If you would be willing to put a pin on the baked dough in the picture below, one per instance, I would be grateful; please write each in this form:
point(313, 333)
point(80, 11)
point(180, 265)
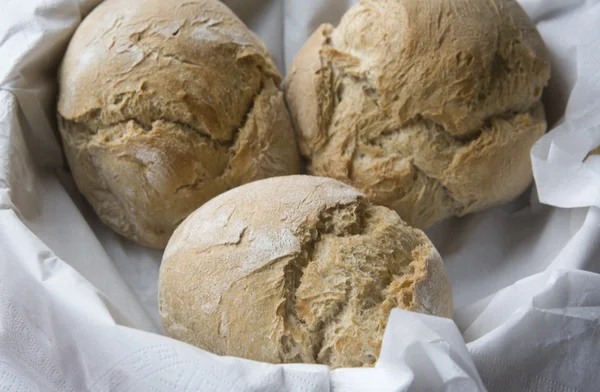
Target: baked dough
point(164, 105)
point(430, 107)
point(296, 269)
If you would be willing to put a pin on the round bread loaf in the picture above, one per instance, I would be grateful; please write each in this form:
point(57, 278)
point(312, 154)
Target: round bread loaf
point(430, 107)
point(164, 105)
point(296, 269)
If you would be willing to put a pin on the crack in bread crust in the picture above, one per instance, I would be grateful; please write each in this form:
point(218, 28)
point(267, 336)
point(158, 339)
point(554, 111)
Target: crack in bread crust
point(341, 78)
point(295, 270)
point(95, 131)
point(309, 337)
point(185, 89)
point(94, 115)
point(80, 134)
point(386, 81)
point(310, 274)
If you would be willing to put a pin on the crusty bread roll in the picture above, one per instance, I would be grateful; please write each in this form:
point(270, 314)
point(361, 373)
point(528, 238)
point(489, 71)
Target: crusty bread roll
point(296, 269)
point(430, 107)
point(164, 105)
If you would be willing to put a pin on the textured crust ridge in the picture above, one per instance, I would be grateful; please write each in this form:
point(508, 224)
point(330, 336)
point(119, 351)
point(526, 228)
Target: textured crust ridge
point(163, 106)
point(385, 83)
point(310, 279)
point(293, 350)
point(91, 122)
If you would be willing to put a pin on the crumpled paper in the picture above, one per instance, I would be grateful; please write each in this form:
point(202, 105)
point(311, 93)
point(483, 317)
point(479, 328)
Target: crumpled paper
point(78, 302)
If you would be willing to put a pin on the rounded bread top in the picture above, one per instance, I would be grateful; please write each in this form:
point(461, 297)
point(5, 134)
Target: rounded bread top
point(296, 269)
point(430, 107)
point(190, 54)
point(453, 62)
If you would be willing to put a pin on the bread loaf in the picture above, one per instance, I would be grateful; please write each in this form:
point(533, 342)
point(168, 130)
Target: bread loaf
point(430, 107)
point(164, 105)
point(296, 269)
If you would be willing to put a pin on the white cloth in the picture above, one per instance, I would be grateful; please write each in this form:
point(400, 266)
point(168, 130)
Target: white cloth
point(78, 303)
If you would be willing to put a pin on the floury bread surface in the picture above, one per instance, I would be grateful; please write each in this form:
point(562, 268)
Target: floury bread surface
point(296, 269)
point(430, 107)
point(164, 105)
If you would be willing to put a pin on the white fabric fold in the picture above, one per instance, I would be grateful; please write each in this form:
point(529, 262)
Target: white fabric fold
point(78, 302)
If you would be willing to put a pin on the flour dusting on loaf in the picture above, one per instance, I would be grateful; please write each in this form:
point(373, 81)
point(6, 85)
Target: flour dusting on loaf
point(312, 278)
point(430, 107)
point(164, 105)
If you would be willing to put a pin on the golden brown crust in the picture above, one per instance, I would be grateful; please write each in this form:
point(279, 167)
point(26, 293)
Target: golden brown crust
point(296, 269)
point(435, 104)
point(164, 105)
point(309, 92)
